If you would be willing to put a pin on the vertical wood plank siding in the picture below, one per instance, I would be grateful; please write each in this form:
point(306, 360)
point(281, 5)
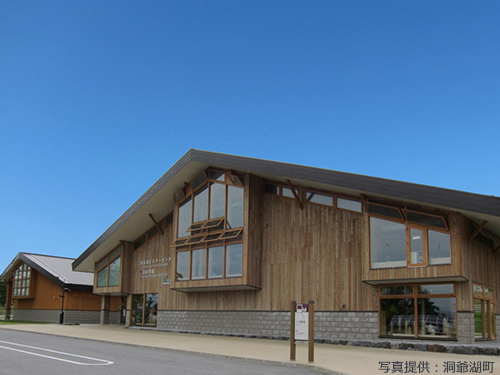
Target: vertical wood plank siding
point(318, 253)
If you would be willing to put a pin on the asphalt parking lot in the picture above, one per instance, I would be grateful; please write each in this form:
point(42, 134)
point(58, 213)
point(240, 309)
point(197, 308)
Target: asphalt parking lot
point(31, 353)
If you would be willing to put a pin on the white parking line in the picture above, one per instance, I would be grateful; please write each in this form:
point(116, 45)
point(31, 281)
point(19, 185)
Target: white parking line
point(100, 362)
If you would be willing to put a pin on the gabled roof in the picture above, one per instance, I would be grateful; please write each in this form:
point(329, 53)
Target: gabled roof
point(159, 202)
point(56, 269)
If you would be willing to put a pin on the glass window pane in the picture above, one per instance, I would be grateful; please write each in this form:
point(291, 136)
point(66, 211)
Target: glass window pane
point(397, 317)
point(195, 239)
point(439, 248)
point(152, 232)
point(182, 271)
point(234, 263)
point(436, 289)
point(199, 180)
point(396, 290)
point(150, 309)
point(273, 189)
point(287, 192)
point(313, 197)
point(217, 200)
point(436, 317)
point(478, 290)
point(200, 204)
point(234, 207)
point(416, 246)
point(137, 307)
point(215, 262)
point(198, 264)
point(217, 175)
point(348, 204)
point(488, 292)
point(478, 318)
point(385, 211)
point(184, 219)
point(102, 263)
point(115, 253)
point(102, 278)
point(387, 244)
point(114, 272)
point(139, 242)
point(420, 218)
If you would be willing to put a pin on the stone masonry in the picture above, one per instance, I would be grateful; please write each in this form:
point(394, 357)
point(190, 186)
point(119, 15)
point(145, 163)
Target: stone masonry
point(52, 316)
point(465, 327)
point(328, 325)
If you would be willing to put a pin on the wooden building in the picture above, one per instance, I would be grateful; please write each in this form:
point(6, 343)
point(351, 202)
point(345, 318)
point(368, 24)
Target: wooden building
point(46, 289)
point(223, 244)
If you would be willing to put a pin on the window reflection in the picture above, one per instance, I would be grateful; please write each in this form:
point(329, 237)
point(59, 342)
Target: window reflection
point(388, 243)
point(234, 260)
point(234, 207)
point(215, 262)
point(184, 218)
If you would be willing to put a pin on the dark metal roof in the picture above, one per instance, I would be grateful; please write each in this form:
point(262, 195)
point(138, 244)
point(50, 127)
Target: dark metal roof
point(158, 198)
point(56, 269)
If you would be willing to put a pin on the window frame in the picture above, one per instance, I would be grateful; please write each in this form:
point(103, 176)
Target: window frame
point(409, 225)
point(487, 312)
point(415, 296)
point(280, 187)
point(112, 256)
point(220, 243)
point(143, 320)
point(22, 288)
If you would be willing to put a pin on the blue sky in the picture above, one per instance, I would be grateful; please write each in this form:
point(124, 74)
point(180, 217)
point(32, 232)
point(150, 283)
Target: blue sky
point(99, 98)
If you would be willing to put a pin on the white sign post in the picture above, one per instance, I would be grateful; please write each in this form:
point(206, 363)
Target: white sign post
point(302, 322)
point(302, 327)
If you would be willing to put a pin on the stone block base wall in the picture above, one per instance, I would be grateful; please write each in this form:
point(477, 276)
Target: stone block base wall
point(346, 325)
point(465, 327)
point(328, 325)
point(52, 316)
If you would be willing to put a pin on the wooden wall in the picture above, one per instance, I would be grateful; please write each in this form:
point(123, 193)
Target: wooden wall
point(302, 255)
point(453, 269)
point(47, 297)
point(318, 253)
point(480, 265)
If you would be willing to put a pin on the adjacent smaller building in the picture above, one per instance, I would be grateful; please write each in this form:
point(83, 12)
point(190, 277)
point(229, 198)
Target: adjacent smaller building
point(46, 289)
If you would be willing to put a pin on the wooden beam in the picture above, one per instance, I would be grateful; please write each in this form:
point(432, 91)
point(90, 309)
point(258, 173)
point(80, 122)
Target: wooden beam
point(295, 194)
point(363, 198)
point(496, 250)
point(156, 224)
point(478, 230)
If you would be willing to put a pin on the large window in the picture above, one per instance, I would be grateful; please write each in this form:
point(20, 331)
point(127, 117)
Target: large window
point(405, 238)
point(22, 279)
point(484, 313)
point(209, 227)
point(108, 269)
point(215, 267)
point(144, 309)
point(420, 311)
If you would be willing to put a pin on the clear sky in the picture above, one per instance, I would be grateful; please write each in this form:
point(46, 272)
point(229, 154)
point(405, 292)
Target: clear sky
point(99, 98)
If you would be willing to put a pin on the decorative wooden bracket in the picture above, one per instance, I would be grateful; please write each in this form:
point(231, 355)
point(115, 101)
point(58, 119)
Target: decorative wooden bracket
point(295, 194)
point(156, 224)
point(478, 230)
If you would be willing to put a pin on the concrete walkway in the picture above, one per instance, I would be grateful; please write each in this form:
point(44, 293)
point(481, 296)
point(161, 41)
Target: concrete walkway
point(335, 359)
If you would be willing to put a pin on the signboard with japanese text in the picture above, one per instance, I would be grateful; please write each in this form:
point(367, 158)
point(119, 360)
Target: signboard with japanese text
point(302, 322)
point(157, 267)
